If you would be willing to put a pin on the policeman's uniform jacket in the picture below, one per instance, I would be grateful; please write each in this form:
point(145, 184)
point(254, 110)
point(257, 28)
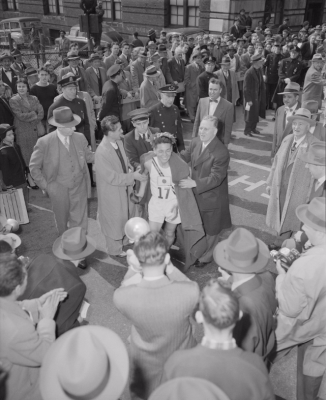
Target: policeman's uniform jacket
point(271, 67)
point(168, 119)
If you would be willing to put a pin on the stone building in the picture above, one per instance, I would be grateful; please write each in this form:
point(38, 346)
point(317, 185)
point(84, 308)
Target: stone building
point(128, 16)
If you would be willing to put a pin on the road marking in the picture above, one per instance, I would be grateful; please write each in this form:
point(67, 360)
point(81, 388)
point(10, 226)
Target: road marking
point(265, 195)
point(244, 179)
point(249, 164)
point(40, 208)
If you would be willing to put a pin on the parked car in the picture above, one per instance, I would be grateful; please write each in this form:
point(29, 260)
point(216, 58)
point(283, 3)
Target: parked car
point(188, 32)
point(19, 29)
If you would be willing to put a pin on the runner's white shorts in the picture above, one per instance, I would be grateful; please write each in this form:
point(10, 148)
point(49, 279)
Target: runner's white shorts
point(160, 210)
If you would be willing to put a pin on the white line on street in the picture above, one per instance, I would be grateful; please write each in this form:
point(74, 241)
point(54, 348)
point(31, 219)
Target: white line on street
point(40, 208)
point(265, 195)
point(249, 164)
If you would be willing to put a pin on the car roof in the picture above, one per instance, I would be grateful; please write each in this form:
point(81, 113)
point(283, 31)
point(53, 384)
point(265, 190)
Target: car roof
point(20, 19)
point(184, 31)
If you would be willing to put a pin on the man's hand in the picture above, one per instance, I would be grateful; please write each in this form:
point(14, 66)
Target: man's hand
point(287, 80)
point(61, 293)
point(187, 183)
point(140, 177)
point(49, 308)
point(129, 95)
point(268, 190)
point(250, 103)
point(279, 268)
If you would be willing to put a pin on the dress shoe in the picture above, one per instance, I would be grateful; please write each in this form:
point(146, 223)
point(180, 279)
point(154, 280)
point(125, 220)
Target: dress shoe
point(248, 134)
point(200, 265)
point(83, 264)
point(273, 247)
point(256, 132)
point(93, 184)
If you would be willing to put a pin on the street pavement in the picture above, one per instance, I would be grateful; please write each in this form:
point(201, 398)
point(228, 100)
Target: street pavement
point(249, 169)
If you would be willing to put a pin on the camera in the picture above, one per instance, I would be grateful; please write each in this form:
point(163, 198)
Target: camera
point(286, 256)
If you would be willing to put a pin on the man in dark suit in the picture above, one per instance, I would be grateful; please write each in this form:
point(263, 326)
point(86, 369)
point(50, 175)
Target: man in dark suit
point(177, 69)
point(165, 65)
point(204, 77)
point(308, 49)
point(111, 101)
point(80, 73)
point(7, 73)
point(215, 105)
point(271, 73)
point(246, 257)
point(18, 65)
point(96, 74)
point(235, 30)
point(254, 95)
point(6, 114)
point(209, 160)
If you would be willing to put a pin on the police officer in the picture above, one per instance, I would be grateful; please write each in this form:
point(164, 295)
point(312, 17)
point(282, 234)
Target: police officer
point(289, 71)
point(166, 115)
point(271, 74)
point(69, 85)
point(204, 77)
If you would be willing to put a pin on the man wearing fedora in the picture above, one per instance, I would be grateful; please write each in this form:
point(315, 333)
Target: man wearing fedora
point(78, 72)
point(315, 160)
point(254, 96)
point(111, 99)
point(59, 166)
point(228, 77)
point(282, 126)
point(166, 115)
point(148, 93)
point(314, 83)
point(64, 44)
point(96, 75)
point(218, 359)
point(49, 271)
point(137, 69)
point(18, 65)
point(177, 69)
point(151, 36)
point(302, 302)
point(7, 73)
point(289, 182)
point(245, 258)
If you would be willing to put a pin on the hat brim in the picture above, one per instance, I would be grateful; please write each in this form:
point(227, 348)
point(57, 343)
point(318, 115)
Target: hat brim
point(261, 262)
point(293, 117)
point(7, 56)
point(299, 92)
point(307, 158)
point(73, 58)
point(151, 76)
point(301, 213)
point(71, 124)
point(50, 386)
point(15, 239)
point(58, 252)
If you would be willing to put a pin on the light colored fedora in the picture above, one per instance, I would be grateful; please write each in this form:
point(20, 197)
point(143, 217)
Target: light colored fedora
point(151, 72)
point(64, 118)
point(12, 239)
point(291, 87)
point(303, 115)
point(89, 362)
point(316, 154)
point(241, 252)
point(313, 214)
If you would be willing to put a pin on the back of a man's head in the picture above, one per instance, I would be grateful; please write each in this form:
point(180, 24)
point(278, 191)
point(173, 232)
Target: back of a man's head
point(12, 274)
point(151, 249)
point(219, 306)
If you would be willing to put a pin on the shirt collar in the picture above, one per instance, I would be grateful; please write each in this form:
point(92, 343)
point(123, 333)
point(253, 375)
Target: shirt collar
point(114, 145)
point(297, 142)
point(291, 109)
point(153, 278)
point(206, 144)
point(212, 344)
point(320, 181)
point(239, 283)
point(62, 137)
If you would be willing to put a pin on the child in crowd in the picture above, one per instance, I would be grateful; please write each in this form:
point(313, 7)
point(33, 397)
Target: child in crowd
point(159, 310)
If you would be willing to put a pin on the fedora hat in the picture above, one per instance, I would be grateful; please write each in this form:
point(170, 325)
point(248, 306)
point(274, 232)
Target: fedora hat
point(30, 71)
point(3, 56)
point(241, 252)
point(64, 118)
point(139, 113)
point(291, 87)
point(317, 57)
point(312, 106)
point(16, 53)
point(12, 239)
point(151, 72)
point(225, 61)
point(313, 214)
point(316, 154)
point(71, 56)
point(303, 115)
point(94, 57)
point(188, 388)
point(255, 57)
point(89, 362)
point(73, 244)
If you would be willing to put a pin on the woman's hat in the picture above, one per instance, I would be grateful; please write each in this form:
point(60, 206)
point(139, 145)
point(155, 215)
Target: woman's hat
point(316, 154)
point(151, 72)
point(64, 118)
point(188, 388)
point(313, 214)
point(89, 362)
point(303, 115)
point(4, 128)
point(12, 239)
point(73, 244)
point(291, 87)
point(242, 252)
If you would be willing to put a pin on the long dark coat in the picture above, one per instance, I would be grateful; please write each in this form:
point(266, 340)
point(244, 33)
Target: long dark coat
point(209, 170)
point(254, 90)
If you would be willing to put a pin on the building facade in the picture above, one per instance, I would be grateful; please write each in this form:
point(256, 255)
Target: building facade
point(128, 16)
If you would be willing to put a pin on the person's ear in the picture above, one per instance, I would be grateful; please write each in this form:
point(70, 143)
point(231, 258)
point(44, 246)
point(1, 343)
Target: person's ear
point(199, 317)
point(167, 259)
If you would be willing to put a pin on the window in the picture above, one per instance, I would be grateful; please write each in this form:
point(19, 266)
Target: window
point(117, 9)
point(112, 9)
point(107, 9)
point(176, 12)
point(193, 12)
point(55, 7)
point(12, 5)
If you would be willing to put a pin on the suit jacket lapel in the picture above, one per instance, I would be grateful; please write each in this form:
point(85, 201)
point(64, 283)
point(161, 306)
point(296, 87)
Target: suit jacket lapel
point(204, 155)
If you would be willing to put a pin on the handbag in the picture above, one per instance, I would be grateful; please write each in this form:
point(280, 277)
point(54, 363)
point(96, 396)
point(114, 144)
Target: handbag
point(40, 129)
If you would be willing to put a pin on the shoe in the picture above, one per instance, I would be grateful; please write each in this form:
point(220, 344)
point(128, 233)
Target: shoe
point(199, 264)
point(83, 264)
point(248, 134)
point(273, 119)
point(93, 184)
point(122, 254)
point(34, 187)
point(273, 247)
point(256, 131)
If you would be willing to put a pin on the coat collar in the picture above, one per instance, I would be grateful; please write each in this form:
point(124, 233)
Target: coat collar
point(248, 286)
point(202, 157)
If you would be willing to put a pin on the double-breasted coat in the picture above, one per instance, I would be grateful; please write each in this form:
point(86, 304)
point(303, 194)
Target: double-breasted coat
point(254, 91)
point(27, 115)
point(209, 170)
point(83, 83)
point(298, 190)
point(114, 187)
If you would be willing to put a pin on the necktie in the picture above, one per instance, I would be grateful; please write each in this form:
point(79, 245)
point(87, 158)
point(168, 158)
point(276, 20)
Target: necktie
point(66, 143)
point(212, 101)
point(293, 147)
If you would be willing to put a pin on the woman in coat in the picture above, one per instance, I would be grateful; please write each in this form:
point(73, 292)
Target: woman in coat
point(28, 113)
point(6, 114)
point(192, 71)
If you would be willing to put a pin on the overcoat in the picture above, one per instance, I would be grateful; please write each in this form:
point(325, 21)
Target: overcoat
point(148, 94)
point(137, 70)
point(313, 86)
point(6, 80)
point(254, 90)
point(113, 190)
point(209, 170)
point(177, 70)
point(299, 187)
point(192, 72)
point(234, 83)
point(27, 116)
point(93, 79)
point(6, 114)
point(111, 101)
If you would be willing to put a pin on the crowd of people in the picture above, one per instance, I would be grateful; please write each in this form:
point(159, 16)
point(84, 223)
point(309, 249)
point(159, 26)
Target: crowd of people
point(113, 122)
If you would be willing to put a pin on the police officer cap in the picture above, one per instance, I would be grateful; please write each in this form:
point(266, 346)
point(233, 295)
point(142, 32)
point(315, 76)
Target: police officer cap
point(210, 59)
point(172, 88)
point(69, 79)
point(294, 48)
point(139, 114)
point(114, 70)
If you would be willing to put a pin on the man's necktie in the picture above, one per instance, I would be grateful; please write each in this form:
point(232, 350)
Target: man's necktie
point(66, 143)
point(212, 101)
point(293, 147)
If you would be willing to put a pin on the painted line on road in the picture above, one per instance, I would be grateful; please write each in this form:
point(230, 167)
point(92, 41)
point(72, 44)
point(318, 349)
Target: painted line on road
point(265, 195)
point(249, 164)
point(40, 208)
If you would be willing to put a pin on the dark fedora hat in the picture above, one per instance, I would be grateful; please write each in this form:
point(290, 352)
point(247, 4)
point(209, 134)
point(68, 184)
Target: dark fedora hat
point(64, 118)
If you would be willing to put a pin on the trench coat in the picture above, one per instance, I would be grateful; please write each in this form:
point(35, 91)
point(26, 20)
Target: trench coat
point(251, 84)
point(113, 190)
point(298, 191)
point(27, 116)
point(148, 94)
